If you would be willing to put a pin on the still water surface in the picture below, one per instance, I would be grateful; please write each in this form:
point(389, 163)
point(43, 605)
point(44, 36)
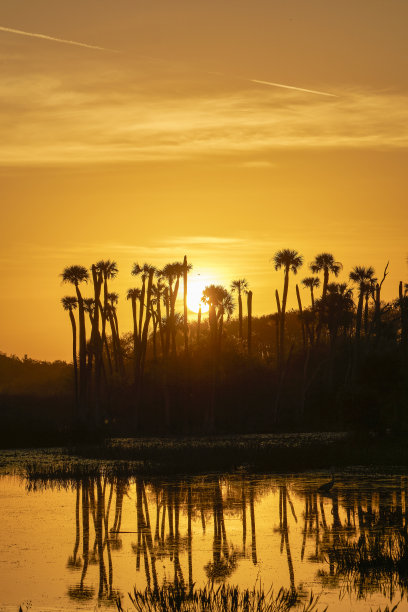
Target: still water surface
point(78, 545)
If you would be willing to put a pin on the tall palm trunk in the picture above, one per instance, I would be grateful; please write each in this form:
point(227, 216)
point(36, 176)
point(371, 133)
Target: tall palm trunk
point(249, 305)
point(282, 315)
point(146, 323)
point(302, 322)
point(185, 272)
point(198, 324)
point(104, 312)
point(278, 325)
point(366, 297)
point(135, 337)
point(96, 341)
point(82, 351)
point(141, 309)
point(173, 316)
point(325, 282)
point(240, 313)
point(359, 313)
point(74, 357)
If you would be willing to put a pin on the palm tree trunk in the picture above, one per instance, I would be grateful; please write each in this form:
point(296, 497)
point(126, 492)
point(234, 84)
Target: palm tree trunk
point(82, 351)
point(240, 313)
point(146, 323)
point(185, 271)
point(74, 360)
point(359, 314)
point(141, 309)
point(198, 324)
point(278, 324)
point(249, 306)
point(283, 311)
point(325, 282)
point(302, 322)
point(366, 313)
point(173, 316)
point(135, 337)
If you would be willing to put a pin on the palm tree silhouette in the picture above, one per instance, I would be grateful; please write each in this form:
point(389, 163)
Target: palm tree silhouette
point(288, 260)
point(76, 275)
point(70, 304)
point(186, 269)
point(109, 270)
point(324, 262)
point(240, 286)
point(134, 296)
point(311, 282)
point(360, 275)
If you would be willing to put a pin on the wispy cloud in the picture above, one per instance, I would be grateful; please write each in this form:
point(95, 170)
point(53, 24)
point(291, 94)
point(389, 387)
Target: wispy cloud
point(53, 39)
point(48, 122)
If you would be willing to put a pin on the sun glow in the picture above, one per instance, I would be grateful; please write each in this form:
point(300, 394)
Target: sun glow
point(195, 288)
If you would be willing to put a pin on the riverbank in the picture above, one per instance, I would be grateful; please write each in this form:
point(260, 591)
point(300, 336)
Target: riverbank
point(290, 452)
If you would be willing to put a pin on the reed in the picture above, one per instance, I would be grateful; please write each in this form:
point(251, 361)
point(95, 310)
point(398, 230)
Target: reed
point(224, 598)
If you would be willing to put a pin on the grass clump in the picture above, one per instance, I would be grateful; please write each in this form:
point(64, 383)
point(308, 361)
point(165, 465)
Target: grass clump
point(225, 598)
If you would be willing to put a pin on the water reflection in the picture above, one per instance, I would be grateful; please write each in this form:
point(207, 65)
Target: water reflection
point(353, 539)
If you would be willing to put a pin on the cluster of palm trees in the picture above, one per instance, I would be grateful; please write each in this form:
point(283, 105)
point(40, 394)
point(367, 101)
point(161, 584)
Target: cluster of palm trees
point(99, 355)
point(335, 307)
point(155, 320)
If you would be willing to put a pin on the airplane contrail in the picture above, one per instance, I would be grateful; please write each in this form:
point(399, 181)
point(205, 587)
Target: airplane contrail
point(60, 40)
point(271, 84)
point(312, 91)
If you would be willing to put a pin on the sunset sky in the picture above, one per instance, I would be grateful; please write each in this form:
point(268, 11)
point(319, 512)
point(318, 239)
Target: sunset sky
point(163, 133)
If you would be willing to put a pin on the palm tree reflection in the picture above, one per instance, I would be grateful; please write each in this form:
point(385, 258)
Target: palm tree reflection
point(356, 534)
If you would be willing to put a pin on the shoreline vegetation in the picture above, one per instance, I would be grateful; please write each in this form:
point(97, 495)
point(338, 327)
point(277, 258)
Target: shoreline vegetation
point(337, 363)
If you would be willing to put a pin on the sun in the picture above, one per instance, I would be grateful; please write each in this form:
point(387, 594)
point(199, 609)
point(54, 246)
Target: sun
point(195, 288)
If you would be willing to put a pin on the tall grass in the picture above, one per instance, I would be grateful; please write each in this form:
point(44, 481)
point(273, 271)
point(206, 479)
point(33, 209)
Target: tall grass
point(225, 598)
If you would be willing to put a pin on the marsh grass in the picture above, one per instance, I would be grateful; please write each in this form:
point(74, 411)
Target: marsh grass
point(225, 598)
point(130, 457)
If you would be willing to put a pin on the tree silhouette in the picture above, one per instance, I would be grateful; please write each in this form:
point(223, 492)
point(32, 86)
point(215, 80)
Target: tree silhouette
point(360, 275)
point(324, 262)
point(289, 260)
point(76, 275)
point(70, 304)
point(311, 282)
point(239, 286)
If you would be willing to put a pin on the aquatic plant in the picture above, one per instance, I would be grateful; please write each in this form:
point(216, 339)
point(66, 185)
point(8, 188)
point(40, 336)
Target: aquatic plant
point(225, 598)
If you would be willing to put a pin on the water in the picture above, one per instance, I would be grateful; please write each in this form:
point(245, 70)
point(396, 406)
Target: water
point(78, 545)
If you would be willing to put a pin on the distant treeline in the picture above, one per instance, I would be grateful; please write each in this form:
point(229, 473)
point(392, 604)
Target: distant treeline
point(338, 361)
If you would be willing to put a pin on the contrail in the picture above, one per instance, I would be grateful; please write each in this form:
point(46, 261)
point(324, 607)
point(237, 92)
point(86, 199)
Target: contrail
point(59, 40)
point(312, 91)
point(270, 84)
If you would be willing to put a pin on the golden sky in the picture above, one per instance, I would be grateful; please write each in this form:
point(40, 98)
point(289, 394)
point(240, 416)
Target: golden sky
point(162, 134)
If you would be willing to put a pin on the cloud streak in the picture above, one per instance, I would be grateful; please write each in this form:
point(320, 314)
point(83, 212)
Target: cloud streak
point(311, 91)
point(45, 120)
point(53, 39)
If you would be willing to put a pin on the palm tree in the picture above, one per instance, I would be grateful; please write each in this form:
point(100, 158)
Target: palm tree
point(70, 304)
point(186, 269)
point(134, 295)
point(289, 260)
point(158, 295)
point(361, 275)
point(226, 307)
point(336, 309)
point(149, 272)
point(76, 275)
point(324, 262)
point(249, 307)
point(311, 282)
point(240, 286)
point(172, 273)
point(112, 300)
point(109, 270)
